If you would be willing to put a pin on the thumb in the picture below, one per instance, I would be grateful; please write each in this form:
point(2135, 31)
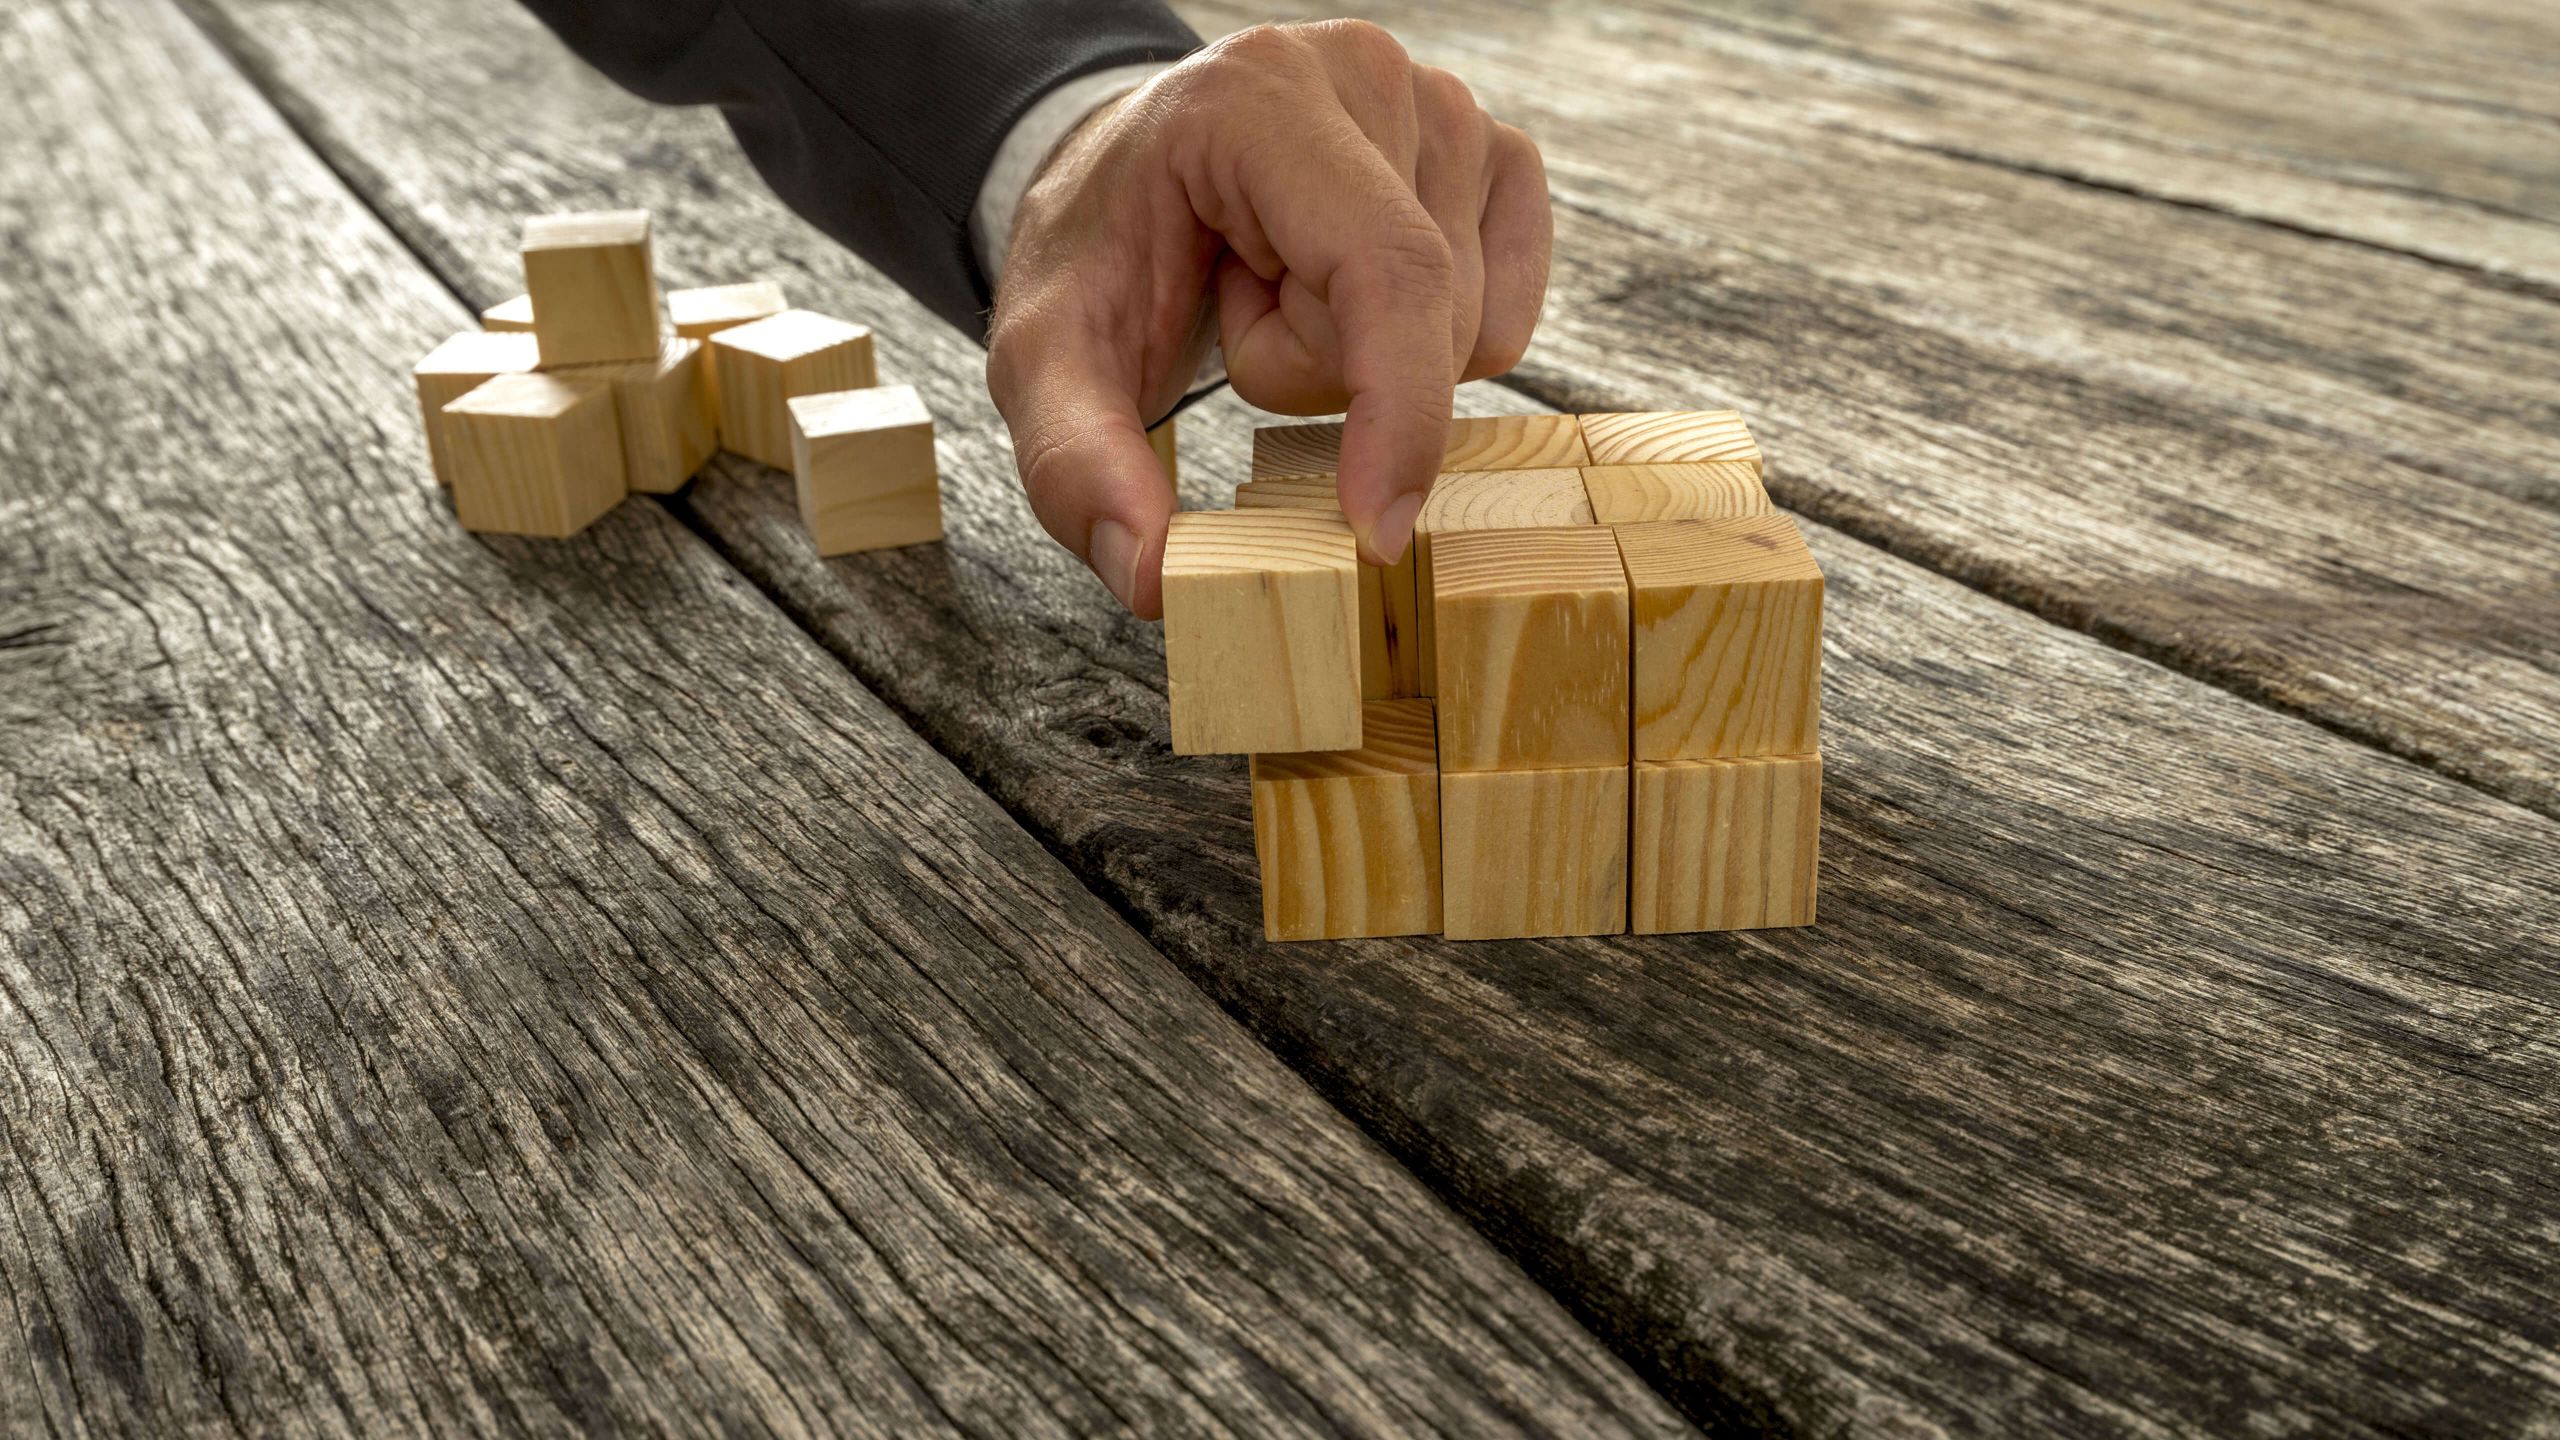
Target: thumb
point(1082, 451)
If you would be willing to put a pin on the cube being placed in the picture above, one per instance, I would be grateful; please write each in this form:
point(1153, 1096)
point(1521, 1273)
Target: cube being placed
point(1728, 638)
point(1470, 500)
point(1533, 852)
point(763, 364)
point(862, 461)
point(1349, 840)
point(1390, 657)
point(1484, 442)
point(1715, 490)
point(664, 412)
point(534, 455)
point(512, 316)
point(593, 287)
point(1532, 651)
point(456, 368)
point(1725, 844)
point(1261, 632)
point(1670, 437)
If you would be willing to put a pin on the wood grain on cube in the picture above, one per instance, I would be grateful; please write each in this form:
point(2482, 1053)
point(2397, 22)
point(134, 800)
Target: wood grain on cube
point(1467, 500)
point(1481, 442)
point(663, 406)
point(593, 287)
point(1533, 852)
point(1349, 840)
point(511, 316)
point(454, 369)
point(1670, 436)
point(1261, 632)
point(1285, 450)
point(705, 310)
point(1390, 629)
point(863, 464)
point(537, 454)
point(1711, 490)
point(1728, 638)
point(1725, 844)
point(760, 365)
point(1163, 438)
point(1532, 629)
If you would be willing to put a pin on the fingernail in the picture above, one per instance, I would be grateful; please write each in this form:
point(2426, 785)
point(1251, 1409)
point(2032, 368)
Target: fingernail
point(1394, 529)
point(1113, 549)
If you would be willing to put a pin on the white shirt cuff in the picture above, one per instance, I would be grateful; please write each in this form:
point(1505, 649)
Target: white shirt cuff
point(1026, 148)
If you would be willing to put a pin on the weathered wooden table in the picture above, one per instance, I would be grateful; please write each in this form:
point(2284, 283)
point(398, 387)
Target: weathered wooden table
point(664, 982)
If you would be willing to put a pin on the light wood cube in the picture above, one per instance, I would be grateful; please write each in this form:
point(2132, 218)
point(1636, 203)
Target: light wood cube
point(1533, 852)
point(510, 316)
point(1162, 439)
point(1483, 442)
point(1728, 638)
point(706, 310)
point(1390, 654)
point(1349, 840)
point(1470, 500)
point(1281, 451)
point(593, 286)
point(1716, 490)
point(1670, 437)
point(1261, 632)
point(862, 461)
point(664, 409)
point(535, 455)
point(763, 364)
point(1725, 844)
point(454, 369)
point(1533, 649)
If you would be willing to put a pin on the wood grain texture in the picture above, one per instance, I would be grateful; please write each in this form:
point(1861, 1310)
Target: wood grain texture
point(761, 365)
point(1533, 634)
point(454, 369)
point(863, 469)
point(1727, 652)
point(1486, 500)
point(1348, 841)
point(2167, 1065)
point(535, 455)
point(1476, 442)
point(1724, 844)
point(593, 285)
point(463, 987)
point(1527, 853)
point(1718, 490)
point(1685, 437)
point(1390, 617)
point(665, 412)
point(1261, 632)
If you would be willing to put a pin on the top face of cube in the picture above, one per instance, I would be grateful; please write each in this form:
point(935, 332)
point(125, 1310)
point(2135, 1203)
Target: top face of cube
point(1578, 560)
point(853, 412)
point(1715, 490)
point(587, 231)
point(1297, 450)
point(1503, 500)
point(1308, 492)
point(790, 335)
point(1513, 442)
point(1666, 436)
point(529, 397)
point(1223, 542)
point(482, 352)
point(1397, 738)
point(1752, 549)
point(724, 304)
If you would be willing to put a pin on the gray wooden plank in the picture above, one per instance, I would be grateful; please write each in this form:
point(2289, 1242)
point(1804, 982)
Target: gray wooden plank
point(2162, 1064)
point(456, 987)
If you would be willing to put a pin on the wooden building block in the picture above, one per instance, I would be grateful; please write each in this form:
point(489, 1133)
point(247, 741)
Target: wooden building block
point(1670, 436)
point(1487, 500)
point(862, 461)
point(1286, 450)
point(1261, 632)
point(1390, 654)
point(454, 369)
point(1725, 844)
point(1532, 649)
point(593, 286)
point(1728, 638)
point(1349, 840)
point(705, 311)
point(535, 454)
point(664, 410)
point(762, 364)
point(1533, 852)
point(1715, 490)
point(1482, 442)
point(511, 316)
point(1161, 439)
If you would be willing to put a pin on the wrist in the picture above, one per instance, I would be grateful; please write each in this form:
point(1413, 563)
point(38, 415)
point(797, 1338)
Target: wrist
point(1029, 148)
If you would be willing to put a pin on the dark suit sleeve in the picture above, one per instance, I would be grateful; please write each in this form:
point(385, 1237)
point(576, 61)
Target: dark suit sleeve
point(875, 119)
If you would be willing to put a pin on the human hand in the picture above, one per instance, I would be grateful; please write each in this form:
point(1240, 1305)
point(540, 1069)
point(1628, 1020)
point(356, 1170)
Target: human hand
point(1352, 229)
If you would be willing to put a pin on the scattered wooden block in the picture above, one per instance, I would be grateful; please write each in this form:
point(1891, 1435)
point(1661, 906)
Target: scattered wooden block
point(454, 369)
point(510, 316)
point(1487, 500)
point(1532, 653)
point(593, 286)
point(1670, 436)
point(1728, 638)
point(863, 463)
point(762, 364)
point(1261, 632)
point(537, 454)
point(1715, 490)
point(664, 409)
point(1390, 655)
point(1349, 840)
point(1533, 852)
point(705, 311)
point(1725, 844)
point(1160, 439)
point(1481, 442)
